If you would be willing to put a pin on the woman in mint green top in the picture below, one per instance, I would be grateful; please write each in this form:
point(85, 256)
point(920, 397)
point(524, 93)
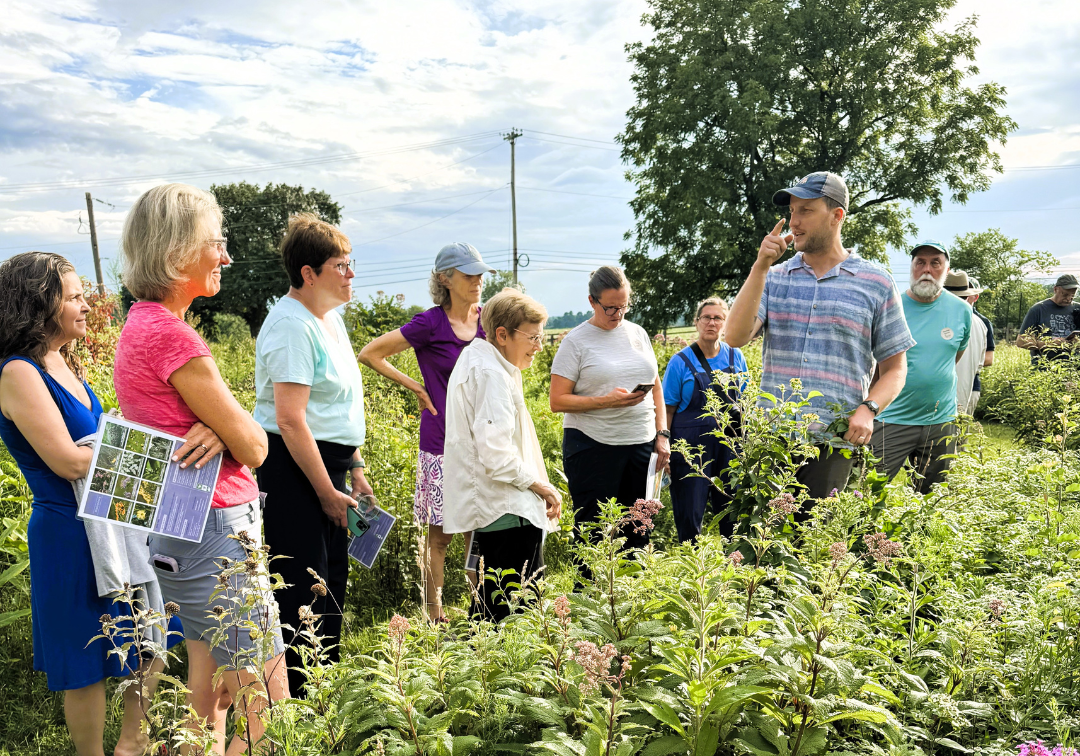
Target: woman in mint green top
point(310, 401)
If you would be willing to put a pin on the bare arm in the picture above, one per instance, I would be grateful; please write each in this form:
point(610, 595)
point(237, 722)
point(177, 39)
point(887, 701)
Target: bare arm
point(563, 399)
point(888, 382)
point(375, 354)
point(205, 393)
point(743, 323)
point(290, 409)
point(670, 408)
point(959, 355)
point(988, 359)
point(662, 446)
point(26, 401)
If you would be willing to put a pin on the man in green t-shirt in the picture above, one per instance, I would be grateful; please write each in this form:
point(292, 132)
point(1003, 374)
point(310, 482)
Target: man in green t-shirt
point(919, 425)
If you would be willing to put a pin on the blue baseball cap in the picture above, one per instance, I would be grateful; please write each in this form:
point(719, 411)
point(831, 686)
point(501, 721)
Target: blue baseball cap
point(813, 186)
point(463, 257)
point(939, 246)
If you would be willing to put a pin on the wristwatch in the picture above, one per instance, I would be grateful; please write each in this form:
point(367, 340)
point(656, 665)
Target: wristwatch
point(871, 405)
point(665, 433)
point(357, 464)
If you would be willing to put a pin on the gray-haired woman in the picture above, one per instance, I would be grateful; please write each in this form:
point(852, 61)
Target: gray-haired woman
point(610, 429)
point(437, 335)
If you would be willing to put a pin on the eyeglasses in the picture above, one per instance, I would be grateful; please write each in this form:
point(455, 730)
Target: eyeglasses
point(713, 318)
point(343, 266)
point(612, 311)
point(221, 243)
point(537, 339)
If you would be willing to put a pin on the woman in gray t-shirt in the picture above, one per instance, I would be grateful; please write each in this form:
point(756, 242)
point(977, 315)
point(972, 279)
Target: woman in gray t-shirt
point(609, 429)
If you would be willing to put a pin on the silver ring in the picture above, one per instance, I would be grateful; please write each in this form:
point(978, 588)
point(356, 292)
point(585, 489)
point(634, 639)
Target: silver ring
point(203, 446)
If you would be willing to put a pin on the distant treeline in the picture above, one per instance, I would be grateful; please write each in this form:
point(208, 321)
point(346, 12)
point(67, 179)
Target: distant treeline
point(568, 319)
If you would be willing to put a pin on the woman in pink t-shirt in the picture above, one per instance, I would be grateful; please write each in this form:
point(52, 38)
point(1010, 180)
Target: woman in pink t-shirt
point(165, 377)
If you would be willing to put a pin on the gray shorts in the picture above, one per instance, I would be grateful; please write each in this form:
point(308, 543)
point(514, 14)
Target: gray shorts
point(930, 449)
point(197, 579)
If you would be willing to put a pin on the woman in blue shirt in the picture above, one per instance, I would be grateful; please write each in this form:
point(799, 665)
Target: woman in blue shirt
point(310, 401)
point(687, 377)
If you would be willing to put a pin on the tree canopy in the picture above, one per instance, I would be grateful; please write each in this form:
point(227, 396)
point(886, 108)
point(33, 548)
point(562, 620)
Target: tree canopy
point(738, 98)
point(255, 222)
point(497, 281)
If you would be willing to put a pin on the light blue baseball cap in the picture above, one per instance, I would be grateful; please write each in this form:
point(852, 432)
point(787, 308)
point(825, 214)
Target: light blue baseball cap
point(463, 257)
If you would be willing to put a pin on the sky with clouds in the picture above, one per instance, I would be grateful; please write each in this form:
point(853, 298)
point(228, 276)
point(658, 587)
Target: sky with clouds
point(397, 110)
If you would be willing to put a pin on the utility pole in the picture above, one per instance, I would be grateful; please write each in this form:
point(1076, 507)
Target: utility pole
point(93, 244)
point(514, 134)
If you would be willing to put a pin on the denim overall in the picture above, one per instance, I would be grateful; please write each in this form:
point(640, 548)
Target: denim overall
point(689, 495)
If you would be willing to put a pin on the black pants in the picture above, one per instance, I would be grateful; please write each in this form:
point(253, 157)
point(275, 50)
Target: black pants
point(512, 549)
point(597, 472)
point(831, 470)
point(295, 526)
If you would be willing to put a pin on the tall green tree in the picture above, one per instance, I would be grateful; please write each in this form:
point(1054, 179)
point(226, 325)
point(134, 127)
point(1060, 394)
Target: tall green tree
point(255, 222)
point(739, 98)
point(497, 281)
point(1001, 267)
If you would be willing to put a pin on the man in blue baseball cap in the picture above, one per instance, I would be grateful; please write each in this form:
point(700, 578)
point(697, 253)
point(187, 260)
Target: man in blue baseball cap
point(919, 426)
point(1049, 325)
point(828, 317)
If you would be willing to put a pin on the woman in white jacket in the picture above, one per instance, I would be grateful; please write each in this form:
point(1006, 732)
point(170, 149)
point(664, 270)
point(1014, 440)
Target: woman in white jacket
point(493, 468)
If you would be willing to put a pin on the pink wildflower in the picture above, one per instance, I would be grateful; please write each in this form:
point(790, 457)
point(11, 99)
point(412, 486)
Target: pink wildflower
point(1038, 749)
point(881, 549)
point(597, 664)
point(399, 626)
point(562, 609)
point(641, 514)
point(736, 558)
point(838, 551)
point(782, 506)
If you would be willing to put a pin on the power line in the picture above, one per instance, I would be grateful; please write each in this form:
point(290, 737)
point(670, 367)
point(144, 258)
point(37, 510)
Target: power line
point(579, 194)
point(567, 136)
point(423, 225)
point(571, 144)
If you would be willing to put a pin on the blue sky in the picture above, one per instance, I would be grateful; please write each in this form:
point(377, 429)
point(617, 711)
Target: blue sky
point(397, 109)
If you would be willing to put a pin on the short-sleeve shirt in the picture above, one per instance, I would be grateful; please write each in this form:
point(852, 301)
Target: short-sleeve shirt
point(293, 347)
point(598, 361)
point(437, 348)
point(1047, 318)
point(829, 332)
point(678, 380)
point(941, 329)
point(152, 346)
point(977, 385)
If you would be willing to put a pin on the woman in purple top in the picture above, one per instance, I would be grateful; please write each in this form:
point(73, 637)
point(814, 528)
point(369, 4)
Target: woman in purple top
point(438, 335)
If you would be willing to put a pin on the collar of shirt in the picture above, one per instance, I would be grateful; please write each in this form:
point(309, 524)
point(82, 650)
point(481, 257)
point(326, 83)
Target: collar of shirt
point(492, 354)
point(850, 265)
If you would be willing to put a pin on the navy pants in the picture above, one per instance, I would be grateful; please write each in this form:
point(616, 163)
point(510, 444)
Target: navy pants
point(691, 497)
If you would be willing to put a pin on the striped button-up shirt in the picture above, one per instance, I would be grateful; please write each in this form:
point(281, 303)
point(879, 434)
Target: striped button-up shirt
point(829, 332)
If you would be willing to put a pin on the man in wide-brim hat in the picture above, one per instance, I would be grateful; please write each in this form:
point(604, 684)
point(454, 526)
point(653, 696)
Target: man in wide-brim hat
point(958, 283)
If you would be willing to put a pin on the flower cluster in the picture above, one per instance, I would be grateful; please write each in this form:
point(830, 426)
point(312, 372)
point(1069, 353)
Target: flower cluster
point(641, 514)
point(1038, 749)
point(597, 665)
point(997, 607)
point(881, 549)
point(838, 551)
point(399, 626)
point(782, 506)
point(736, 558)
point(562, 609)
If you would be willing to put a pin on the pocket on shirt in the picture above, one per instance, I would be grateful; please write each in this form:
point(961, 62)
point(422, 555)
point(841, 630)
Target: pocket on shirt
point(848, 314)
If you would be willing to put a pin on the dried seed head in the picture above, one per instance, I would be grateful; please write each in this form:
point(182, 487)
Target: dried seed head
point(218, 611)
point(172, 609)
point(318, 589)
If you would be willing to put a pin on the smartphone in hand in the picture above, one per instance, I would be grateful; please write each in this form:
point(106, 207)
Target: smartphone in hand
point(645, 387)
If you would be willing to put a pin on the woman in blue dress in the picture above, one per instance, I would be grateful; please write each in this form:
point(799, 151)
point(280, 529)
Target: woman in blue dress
point(687, 379)
point(45, 405)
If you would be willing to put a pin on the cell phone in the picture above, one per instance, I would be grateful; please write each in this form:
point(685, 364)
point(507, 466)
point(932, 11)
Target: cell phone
point(164, 563)
point(646, 387)
point(357, 524)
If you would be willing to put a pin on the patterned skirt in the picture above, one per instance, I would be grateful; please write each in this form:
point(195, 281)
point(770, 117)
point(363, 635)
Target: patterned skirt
point(428, 500)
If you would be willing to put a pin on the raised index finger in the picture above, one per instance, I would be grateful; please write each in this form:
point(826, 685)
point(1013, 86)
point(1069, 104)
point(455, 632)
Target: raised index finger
point(778, 228)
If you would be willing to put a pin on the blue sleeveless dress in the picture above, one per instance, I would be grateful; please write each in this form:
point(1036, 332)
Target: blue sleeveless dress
point(66, 609)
